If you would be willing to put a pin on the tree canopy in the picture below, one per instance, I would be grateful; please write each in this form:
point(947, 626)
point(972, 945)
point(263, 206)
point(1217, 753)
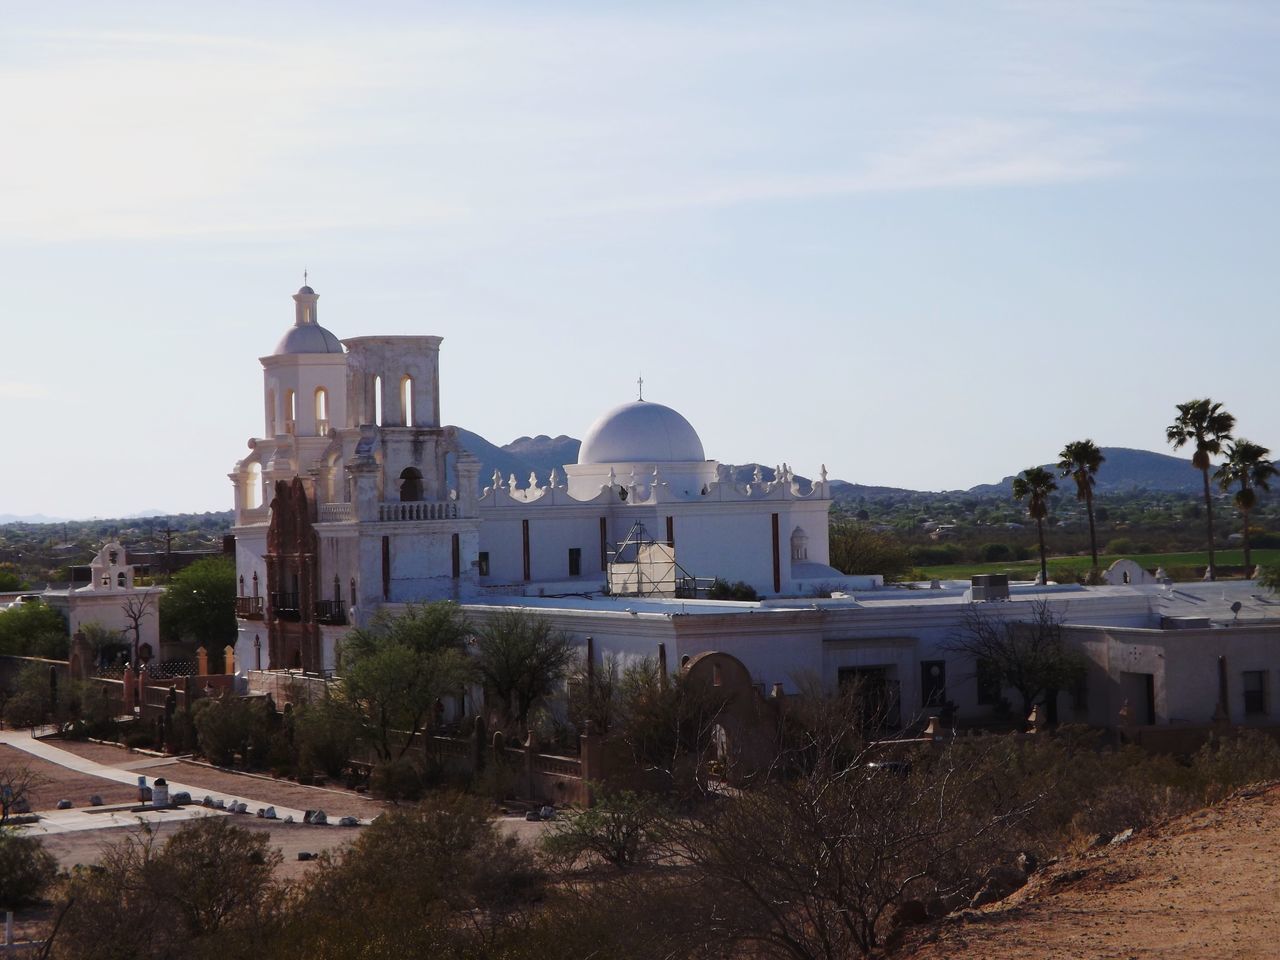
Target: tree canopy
point(200, 603)
point(398, 667)
point(33, 630)
point(522, 659)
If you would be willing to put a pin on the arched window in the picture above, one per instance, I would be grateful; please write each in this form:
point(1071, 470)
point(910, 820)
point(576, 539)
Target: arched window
point(406, 400)
point(322, 411)
point(410, 484)
point(377, 400)
point(290, 411)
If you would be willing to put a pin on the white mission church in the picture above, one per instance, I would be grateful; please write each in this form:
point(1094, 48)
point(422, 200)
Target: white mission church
point(356, 498)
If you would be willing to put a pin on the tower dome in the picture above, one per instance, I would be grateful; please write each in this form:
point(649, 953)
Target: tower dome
point(641, 432)
point(307, 336)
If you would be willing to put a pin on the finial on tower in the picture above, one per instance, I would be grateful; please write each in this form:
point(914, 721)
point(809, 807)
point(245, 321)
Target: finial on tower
point(640, 387)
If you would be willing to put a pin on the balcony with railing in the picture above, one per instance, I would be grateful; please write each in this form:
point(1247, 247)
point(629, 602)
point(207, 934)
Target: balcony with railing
point(284, 606)
point(249, 608)
point(336, 512)
point(331, 612)
point(409, 510)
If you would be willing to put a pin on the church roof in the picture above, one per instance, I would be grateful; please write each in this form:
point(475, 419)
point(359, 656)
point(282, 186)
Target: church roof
point(308, 338)
point(641, 432)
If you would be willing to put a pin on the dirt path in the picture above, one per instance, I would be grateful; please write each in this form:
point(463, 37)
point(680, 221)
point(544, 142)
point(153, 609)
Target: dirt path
point(1204, 886)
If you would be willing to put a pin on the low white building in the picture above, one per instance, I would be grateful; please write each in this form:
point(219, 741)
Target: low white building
point(113, 601)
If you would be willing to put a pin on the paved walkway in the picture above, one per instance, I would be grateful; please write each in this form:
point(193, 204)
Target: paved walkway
point(96, 818)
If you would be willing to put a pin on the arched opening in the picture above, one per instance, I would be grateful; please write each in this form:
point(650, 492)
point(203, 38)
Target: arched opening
point(406, 399)
point(120, 580)
point(322, 411)
point(253, 487)
point(799, 544)
point(410, 484)
point(377, 400)
point(290, 411)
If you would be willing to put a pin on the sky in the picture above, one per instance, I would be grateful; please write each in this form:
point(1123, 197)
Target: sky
point(923, 244)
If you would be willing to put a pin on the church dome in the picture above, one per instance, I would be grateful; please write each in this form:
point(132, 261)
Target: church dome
point(641, 432)
point(308, 338)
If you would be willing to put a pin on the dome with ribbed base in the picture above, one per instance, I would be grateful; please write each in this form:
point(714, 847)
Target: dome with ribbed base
point(641, 432)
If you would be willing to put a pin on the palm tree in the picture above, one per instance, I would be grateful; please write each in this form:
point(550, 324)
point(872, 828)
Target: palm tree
point(1034, 485)
point(1205, 422)
point(1249, 465)
point(1080, 461)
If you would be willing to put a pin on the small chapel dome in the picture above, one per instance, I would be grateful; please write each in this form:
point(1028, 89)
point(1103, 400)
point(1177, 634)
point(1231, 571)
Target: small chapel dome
point(309, 338)
point(641, 432)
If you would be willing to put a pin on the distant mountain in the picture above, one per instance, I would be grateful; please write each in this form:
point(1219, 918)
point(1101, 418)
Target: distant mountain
point(521, 457)
point(1125, 471)
point(31, 518)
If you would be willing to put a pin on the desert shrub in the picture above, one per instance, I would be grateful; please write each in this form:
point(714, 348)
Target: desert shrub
point(139, 739)
point(724, 590)
point(619, 830)
point(857, 549)
point(325, 734)
point(26, 869)
point(208, 891)
point(397, 780)
point(25, 709)
point(935, 555)
point(1227, 763)
point(457, 880)
point(228, 726)
point(995, 553)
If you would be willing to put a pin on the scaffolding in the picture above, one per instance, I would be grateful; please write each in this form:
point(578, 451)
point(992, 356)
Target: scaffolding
point(641, 566)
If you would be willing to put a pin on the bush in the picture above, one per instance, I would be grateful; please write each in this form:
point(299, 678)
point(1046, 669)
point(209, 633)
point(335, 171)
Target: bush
point(995, 553)
point(33, 630)
point(26, 869)
point(229, 726)
point(856, 549)
point(397, 780)
point(1120, 545)
point(325, 734)
point(942, 554)
point(619, 830)
point(724, 590)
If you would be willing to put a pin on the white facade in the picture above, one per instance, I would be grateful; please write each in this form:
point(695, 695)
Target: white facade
point(356, 496)
point(103, 600)
point(357, 499)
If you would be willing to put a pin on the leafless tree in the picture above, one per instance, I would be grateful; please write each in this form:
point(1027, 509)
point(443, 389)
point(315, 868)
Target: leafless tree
point(1029, 654)
point(17, 781)
point(137, 607)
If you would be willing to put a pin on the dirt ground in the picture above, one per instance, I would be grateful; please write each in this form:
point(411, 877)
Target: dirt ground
point(334, 801)
point(86, 846)
point(56, 783)
point(1203, 886)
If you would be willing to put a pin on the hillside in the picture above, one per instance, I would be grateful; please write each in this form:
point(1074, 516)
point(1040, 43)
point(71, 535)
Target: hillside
point(1199, 887)
point(1124, 471)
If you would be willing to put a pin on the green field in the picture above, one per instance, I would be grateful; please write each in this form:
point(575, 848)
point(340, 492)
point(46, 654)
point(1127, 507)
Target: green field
point(1172, 562)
